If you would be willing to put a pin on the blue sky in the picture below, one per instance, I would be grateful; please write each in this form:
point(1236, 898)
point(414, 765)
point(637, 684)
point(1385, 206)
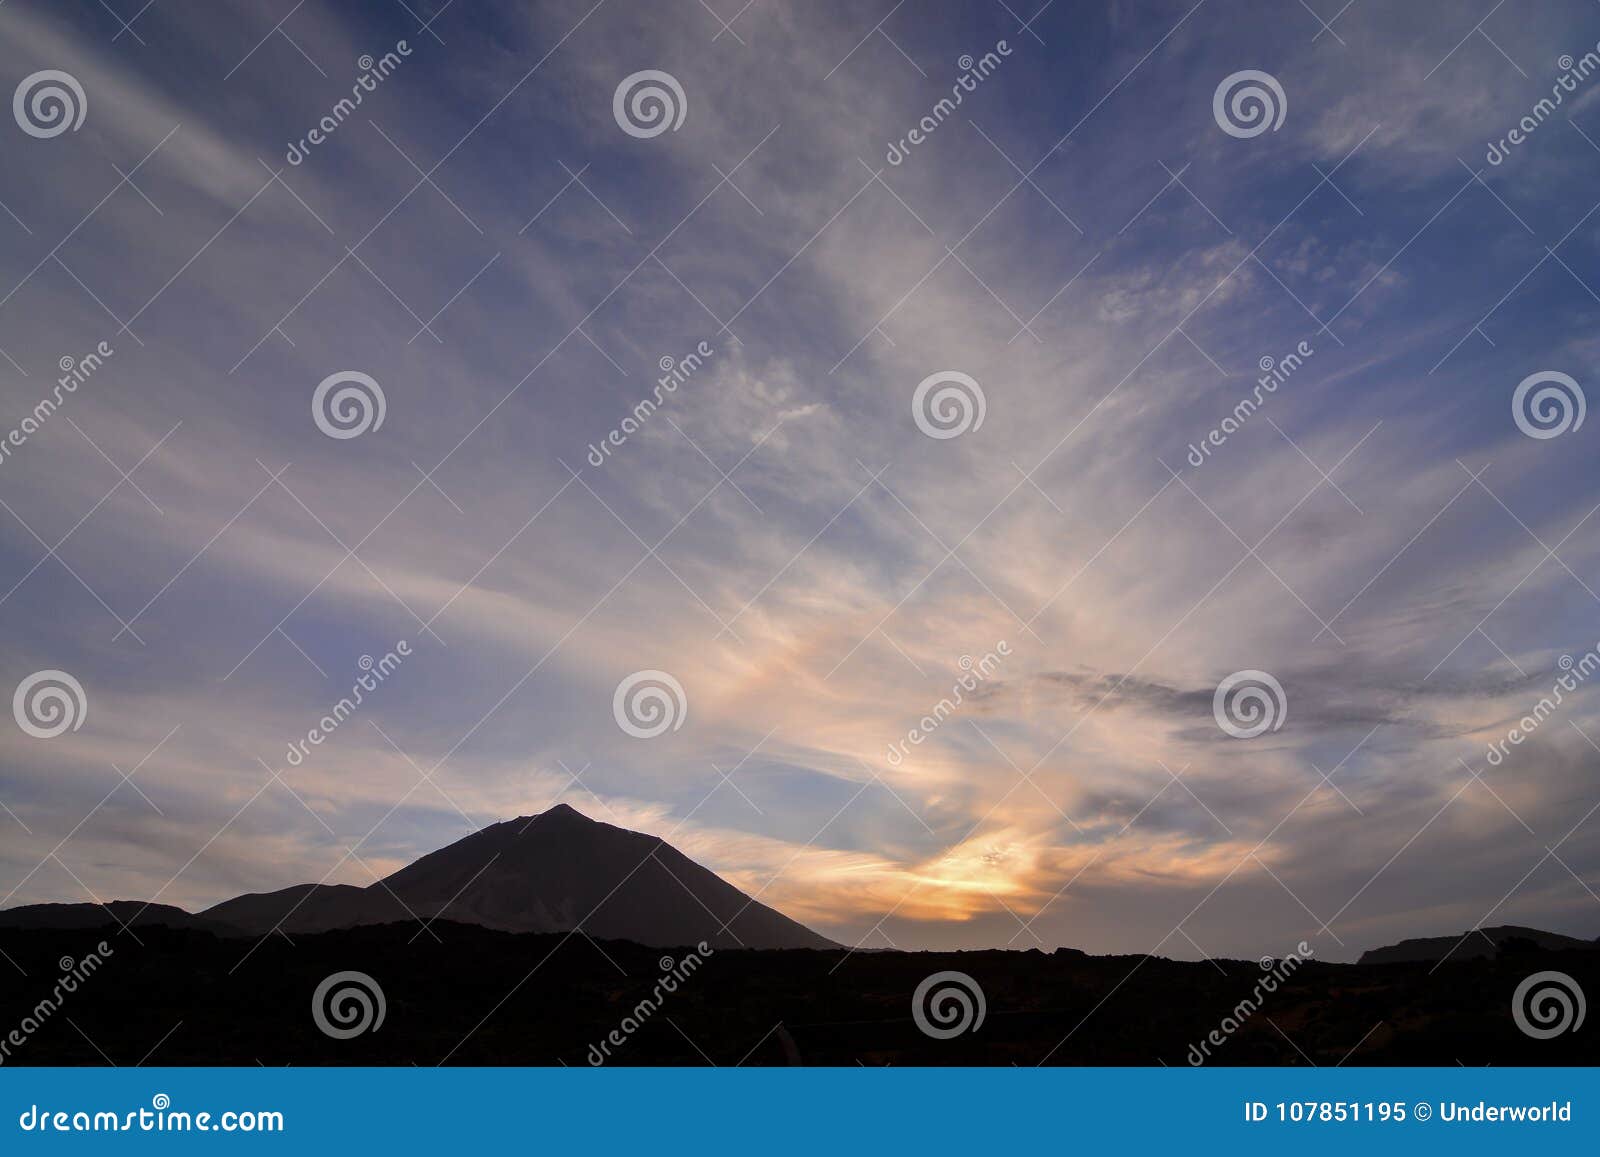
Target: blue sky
point(1081, 238)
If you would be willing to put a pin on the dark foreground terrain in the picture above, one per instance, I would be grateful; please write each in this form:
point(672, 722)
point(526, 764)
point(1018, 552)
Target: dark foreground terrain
point(479, 997)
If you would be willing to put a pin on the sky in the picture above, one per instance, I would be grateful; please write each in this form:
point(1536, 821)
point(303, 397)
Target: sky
point(1096, 243)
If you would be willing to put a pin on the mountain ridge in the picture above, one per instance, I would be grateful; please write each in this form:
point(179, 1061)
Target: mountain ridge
point(551, 872)
point(128, 913)
point(1473, 944)
point(555, 870)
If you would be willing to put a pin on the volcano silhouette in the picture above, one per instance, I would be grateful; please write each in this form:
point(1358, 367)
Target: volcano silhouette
point(552, 872)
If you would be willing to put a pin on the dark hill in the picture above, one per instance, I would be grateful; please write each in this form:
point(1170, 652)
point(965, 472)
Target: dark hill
point(1473, 945)
point(545, 873)
point(134, 913)
point(480, 997)
point(305, 908)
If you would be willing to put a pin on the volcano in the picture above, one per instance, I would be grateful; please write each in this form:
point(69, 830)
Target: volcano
point(558, 871)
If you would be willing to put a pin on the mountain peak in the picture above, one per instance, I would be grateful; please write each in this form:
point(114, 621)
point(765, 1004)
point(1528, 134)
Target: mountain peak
point(562, 811)
point(555, 871)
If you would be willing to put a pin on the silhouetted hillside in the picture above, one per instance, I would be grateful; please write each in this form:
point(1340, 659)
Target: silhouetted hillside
point(476, 996)
point(1474, 944)
point(546, 873)
point(543, 873)
point(113, 912)
point(306, 908)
